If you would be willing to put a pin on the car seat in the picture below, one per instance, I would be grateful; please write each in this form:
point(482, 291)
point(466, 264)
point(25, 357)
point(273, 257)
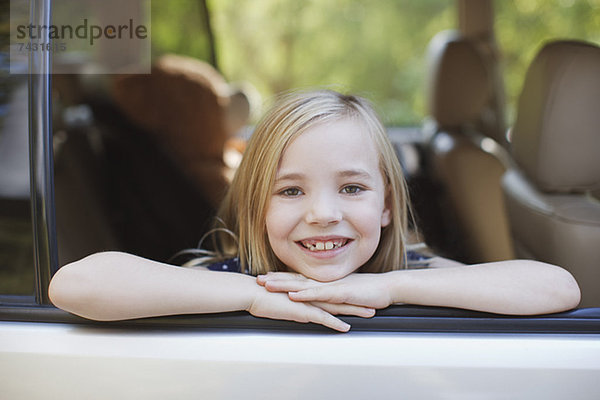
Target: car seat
point(187, 106)
point(553, 197)
point(465, 157)
point(144, 171)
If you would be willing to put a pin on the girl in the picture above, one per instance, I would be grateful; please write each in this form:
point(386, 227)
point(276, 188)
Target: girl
point(316, 219)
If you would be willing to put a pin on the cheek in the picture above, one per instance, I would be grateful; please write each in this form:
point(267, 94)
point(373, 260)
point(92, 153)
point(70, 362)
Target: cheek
point(368, 217)
point(368, 222)
point(272, 227)
point(278, 228)
point(278, 220)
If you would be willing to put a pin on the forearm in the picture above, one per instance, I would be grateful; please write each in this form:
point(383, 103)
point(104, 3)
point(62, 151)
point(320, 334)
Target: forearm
point(114, 286)
point(509, 287)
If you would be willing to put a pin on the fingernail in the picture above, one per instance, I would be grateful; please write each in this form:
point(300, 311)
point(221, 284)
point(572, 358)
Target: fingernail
point(295, 295)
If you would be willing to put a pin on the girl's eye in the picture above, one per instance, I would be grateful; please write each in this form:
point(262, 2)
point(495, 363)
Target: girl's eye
point(351, 189)
point(291, 192)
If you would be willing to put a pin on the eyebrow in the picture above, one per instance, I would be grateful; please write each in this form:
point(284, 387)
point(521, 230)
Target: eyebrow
point(355, 173)
point(348, 173)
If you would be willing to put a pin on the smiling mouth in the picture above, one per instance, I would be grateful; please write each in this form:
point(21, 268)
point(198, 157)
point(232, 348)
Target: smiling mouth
point(323, 245)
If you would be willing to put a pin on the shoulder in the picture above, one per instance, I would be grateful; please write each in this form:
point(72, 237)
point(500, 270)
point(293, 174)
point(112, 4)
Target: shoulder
point(229, 265)
point(417, 259)
point(441, 262)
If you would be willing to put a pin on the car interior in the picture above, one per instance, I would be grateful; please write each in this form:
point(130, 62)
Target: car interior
point(142, 161)
point(464, 155)
point(551, 192)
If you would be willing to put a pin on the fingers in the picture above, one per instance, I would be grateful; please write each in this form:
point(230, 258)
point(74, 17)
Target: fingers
point(345, 309)
point(317, 315)
point(285, 282)
point(287, 285)
point(280, 306)
point(280, 277)
point(314, 301)
point(329, 294)
point(328, 320)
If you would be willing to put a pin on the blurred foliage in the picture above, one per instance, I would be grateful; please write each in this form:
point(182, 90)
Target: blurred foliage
point(374, 48)
point(177, 27)
point(371, 48)
point(350, 45)
point(523, 26)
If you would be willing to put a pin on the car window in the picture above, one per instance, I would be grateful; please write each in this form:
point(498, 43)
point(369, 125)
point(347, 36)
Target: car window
point(131, 197)
point(16, 243)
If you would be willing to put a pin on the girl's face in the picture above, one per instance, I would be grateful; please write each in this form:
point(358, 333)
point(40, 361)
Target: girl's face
point(328, 205)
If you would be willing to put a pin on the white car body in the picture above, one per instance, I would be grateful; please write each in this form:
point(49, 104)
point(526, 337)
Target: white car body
point(62, 361)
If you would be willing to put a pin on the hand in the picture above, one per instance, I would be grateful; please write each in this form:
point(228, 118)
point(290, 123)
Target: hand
point(279, 306)
point(357, 289)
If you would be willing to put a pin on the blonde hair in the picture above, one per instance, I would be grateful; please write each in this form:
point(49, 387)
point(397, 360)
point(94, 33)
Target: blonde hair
point(243, 210)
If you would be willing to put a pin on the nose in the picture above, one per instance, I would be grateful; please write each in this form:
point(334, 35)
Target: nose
point(323, 210)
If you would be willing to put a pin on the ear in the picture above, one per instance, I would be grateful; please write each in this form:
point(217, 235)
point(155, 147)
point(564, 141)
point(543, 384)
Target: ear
point(386, 217)
point(386, 214)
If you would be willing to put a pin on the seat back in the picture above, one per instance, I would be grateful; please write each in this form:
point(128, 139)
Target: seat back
point(465, 156)
point(552, 197)
point(183, 104)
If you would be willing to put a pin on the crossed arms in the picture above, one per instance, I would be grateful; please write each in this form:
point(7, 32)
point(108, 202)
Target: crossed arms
point(116, 286)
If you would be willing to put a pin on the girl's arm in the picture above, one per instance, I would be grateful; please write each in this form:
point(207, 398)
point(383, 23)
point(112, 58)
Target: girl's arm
point(117, 286)
point(520, 287)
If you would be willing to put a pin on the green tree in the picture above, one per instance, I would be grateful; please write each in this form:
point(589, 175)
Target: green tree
point(178, 27)
point(523, 26)
point(372, 48)
point(375, 48)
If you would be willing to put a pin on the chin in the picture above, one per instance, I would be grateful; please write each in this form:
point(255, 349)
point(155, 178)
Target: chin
point(326, 274)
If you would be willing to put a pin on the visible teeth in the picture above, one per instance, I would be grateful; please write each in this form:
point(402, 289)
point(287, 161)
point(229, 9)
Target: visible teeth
point(320, 246)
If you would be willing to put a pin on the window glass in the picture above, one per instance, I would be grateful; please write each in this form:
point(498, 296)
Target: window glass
point(16, 239)
point(116, 186)
point(522, 26)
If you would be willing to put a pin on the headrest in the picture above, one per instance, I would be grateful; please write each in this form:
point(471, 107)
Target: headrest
point(556, 137)
point(459, 83)
point(184, 102)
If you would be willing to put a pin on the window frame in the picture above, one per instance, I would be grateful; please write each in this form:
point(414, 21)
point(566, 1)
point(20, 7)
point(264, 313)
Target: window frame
point(394, 319)
point(41, 159)
point(38, 308)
